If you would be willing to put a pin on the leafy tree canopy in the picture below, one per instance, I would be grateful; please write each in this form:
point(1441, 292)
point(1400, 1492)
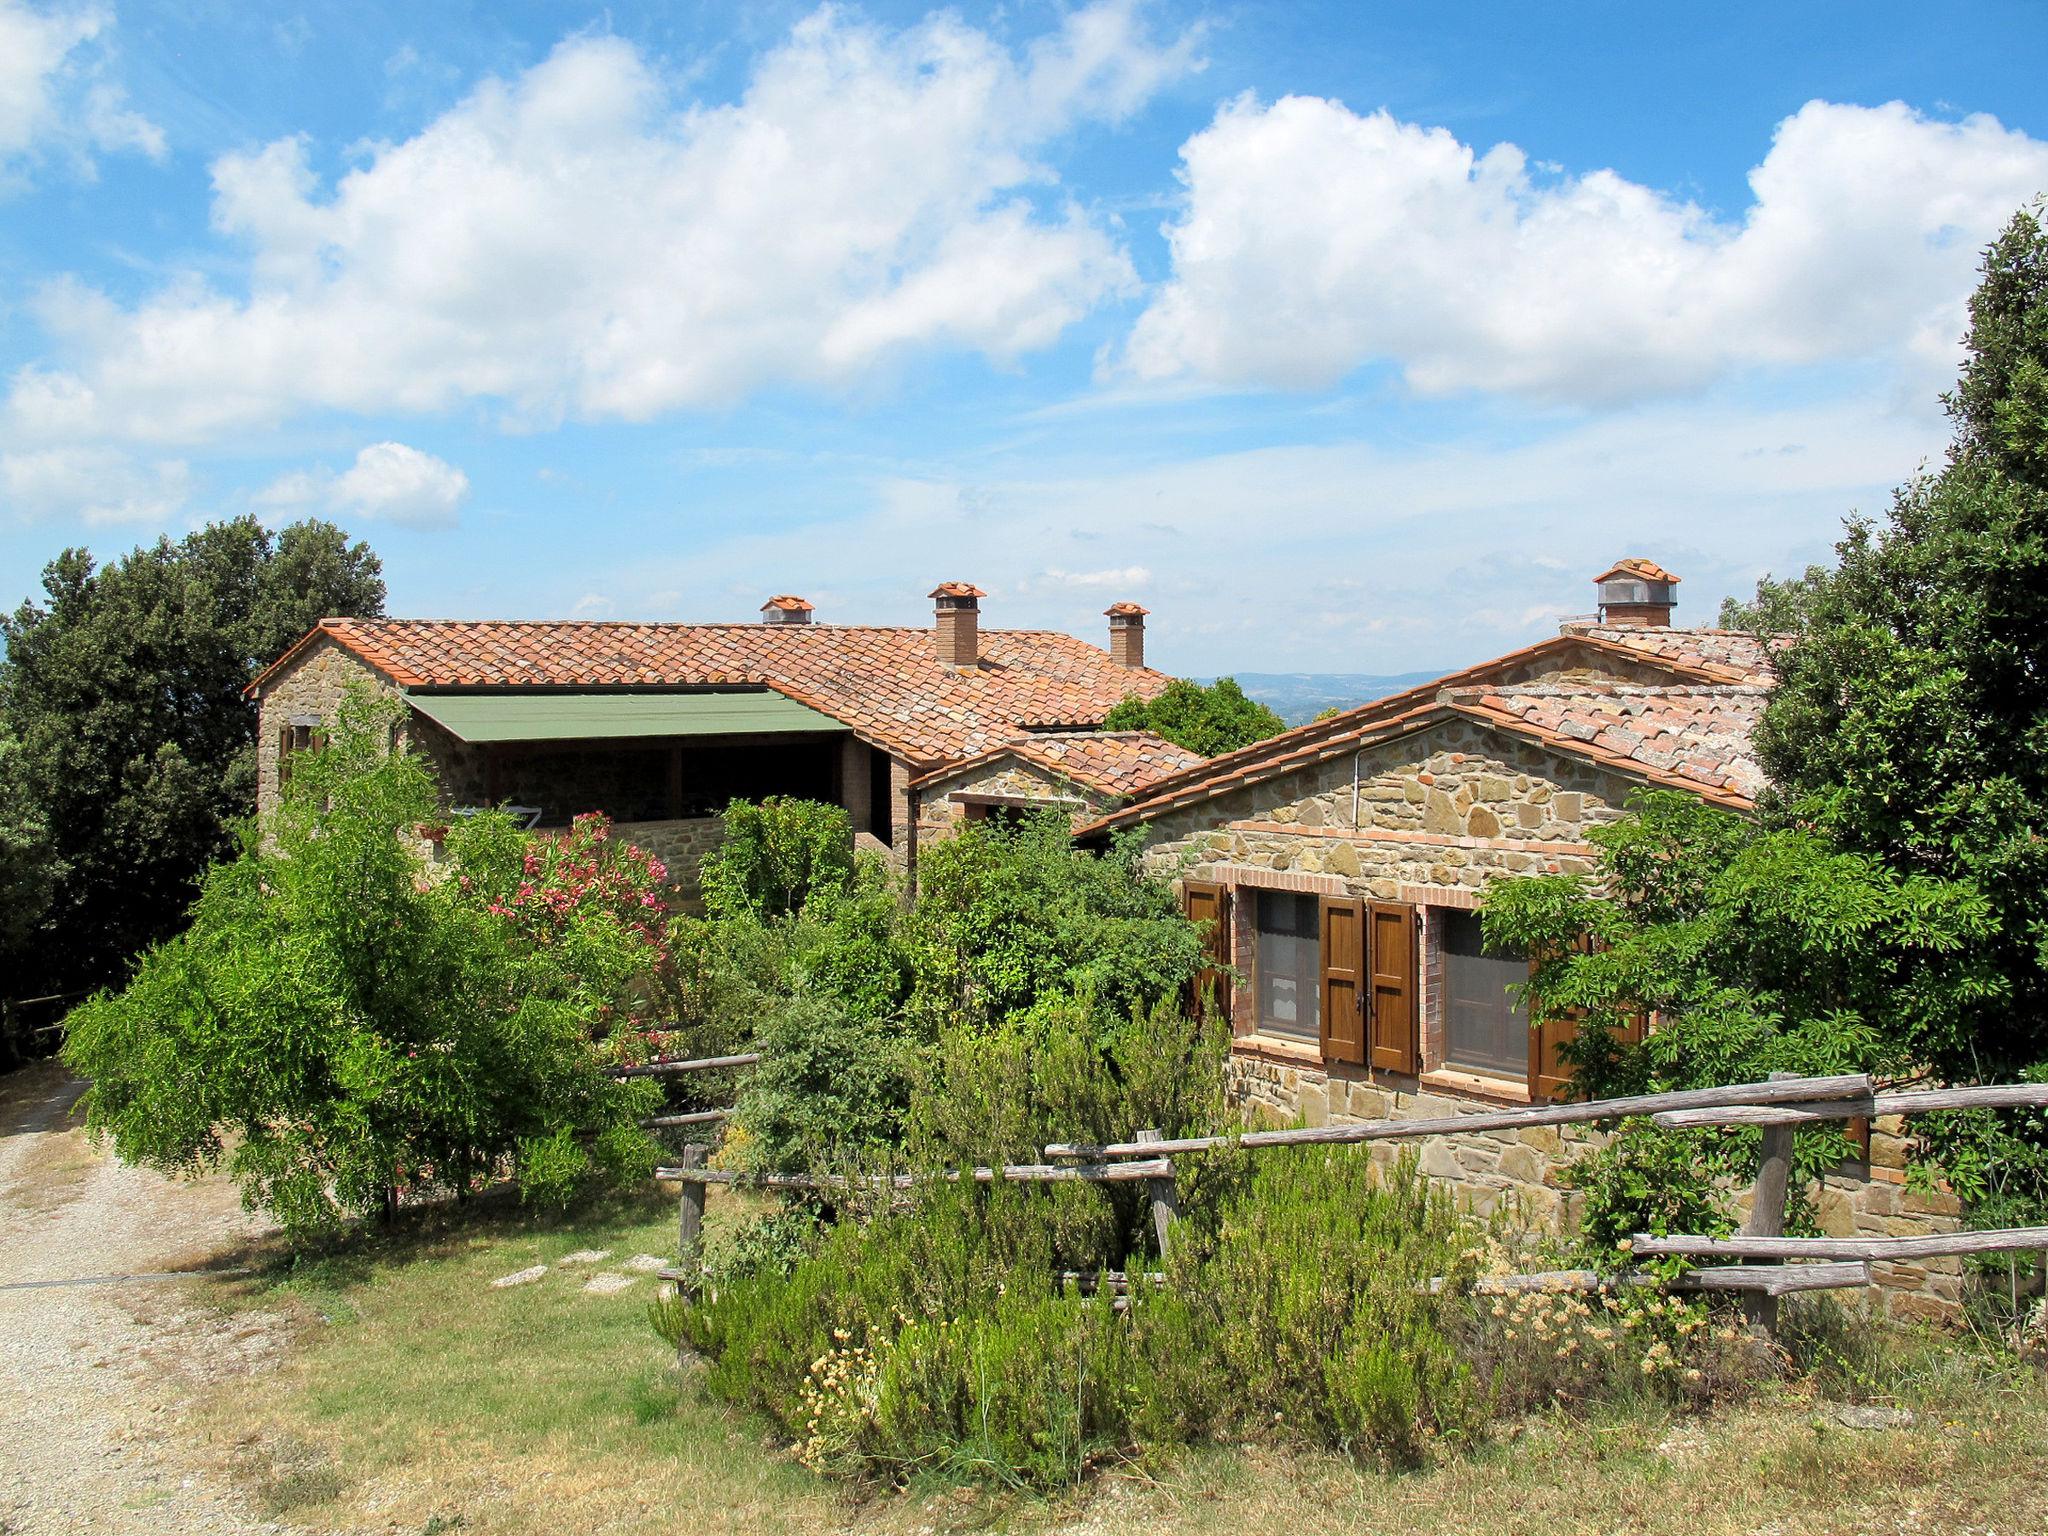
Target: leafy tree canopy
point(1211, 720)
point(336, 1025)
point(131, 746)
point(1889, 906)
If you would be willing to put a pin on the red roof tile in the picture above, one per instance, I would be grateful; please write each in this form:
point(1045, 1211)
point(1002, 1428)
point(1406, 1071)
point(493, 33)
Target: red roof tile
point(1120, 763)
point(1635, 565)
point(1718, 682)
point(1699, 737)
point(1734, 654)
point(888, 684)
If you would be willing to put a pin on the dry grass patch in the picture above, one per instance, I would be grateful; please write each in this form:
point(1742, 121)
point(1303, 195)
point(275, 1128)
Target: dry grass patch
point(413, 1393)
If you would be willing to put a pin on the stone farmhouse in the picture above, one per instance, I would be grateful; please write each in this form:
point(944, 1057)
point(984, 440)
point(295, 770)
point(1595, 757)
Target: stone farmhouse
point(1341, 865)
point(659, 726)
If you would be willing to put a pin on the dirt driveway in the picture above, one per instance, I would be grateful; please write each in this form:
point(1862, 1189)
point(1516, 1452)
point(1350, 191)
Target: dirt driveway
point(95, 1363)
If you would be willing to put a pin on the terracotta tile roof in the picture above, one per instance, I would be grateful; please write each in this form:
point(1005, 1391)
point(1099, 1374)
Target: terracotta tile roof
point(1734, 654)
point(1725, 674)
point(1635, 565)
point(1120, 763)
point(888, 684)
point(1697, 738)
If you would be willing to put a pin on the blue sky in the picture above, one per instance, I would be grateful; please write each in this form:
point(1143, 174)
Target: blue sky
point(1345, 338)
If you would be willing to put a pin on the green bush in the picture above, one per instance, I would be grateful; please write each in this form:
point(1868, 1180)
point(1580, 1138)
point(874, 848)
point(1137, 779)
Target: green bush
point(1007, 917)
point(336, 1026)
point(940, 1337)
point(1218, 718)
point(776, 855)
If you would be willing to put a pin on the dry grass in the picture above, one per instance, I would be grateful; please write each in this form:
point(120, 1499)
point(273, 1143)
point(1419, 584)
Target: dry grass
point(414, 1393)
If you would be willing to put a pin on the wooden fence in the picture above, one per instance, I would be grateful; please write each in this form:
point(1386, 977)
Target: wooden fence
point(1779, 1105)
point(675, 1068)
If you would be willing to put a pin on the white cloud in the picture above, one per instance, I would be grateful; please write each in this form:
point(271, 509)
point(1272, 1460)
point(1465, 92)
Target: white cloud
point(1128, 578)
point(391, 482)
point(1357, 558)
point(52, 94)
point(1313, 240)
point(574, 241)
point(92, 485)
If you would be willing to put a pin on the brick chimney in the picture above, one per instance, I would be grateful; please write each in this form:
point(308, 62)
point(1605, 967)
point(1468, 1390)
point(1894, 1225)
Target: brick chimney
point(786, 610)
point(959, 622)
point(1127, 634)
point(1638, 593)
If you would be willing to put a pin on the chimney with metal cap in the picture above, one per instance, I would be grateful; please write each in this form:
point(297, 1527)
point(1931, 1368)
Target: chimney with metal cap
point(786, 610)
point(959, 622)
point(1638, 594)
point(1127, 634)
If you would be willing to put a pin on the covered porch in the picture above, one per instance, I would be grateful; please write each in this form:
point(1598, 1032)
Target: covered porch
point(661, 765)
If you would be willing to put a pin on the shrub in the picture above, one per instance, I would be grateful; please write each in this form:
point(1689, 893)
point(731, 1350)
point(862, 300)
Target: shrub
point(776, 855)
point(1008, 917)
point(336, 1026)
point(940, 1338)
point(1218, 718)
point(830, 1086)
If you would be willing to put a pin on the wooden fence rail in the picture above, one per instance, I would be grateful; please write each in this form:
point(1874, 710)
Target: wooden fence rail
point(1011, 1173)
point(701, 1064)
point(1779, 1105)
point(1940, 1245)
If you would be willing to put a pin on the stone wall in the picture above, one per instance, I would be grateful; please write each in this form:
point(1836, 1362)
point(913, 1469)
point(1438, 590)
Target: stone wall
point(1520, 1172)
point(1005, 779)
point(681, 845)
point(1455, 804)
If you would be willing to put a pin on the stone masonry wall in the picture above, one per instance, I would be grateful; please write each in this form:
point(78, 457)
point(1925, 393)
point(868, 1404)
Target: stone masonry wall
point(938, 815)
point(1452, 805)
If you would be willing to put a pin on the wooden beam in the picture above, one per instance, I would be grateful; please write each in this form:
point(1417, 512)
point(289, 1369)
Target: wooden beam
point(696, 1117)
point(701, 1064)
point(1771, 1279)
point(1009, 1173)
point(1917, 1101)
point(1939, 1246)
point(1794, 1090)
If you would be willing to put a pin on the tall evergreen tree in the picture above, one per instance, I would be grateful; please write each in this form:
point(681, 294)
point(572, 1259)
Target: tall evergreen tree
point(1910, 721)
point(129, 746)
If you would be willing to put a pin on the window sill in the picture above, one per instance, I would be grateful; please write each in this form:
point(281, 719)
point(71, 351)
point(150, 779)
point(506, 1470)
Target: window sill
point(1296, 1053)
point(1475, 1085)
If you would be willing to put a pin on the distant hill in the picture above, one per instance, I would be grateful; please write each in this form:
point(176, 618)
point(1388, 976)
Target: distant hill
point(1298, 697)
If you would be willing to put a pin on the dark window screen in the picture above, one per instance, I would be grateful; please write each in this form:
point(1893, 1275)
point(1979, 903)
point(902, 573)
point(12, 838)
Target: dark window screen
point(1289, 966)
point(1486, 1029)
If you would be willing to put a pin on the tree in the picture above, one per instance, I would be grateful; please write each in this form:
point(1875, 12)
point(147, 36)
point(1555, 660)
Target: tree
point(1218, 718)
point(1911, 712)
point(133, 748)
point(335, 1026)
point(1890, 905)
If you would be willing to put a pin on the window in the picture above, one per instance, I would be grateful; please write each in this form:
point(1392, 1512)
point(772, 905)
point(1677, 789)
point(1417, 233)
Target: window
point(1289, 966)
point(303, 734)
point(1486, 1028)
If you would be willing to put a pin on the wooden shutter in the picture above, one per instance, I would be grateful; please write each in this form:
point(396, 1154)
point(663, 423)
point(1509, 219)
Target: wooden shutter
point(1206, 903)
point(1344, 981)
point(1395, 1023)
point(1550, 1075)
point(284, 756)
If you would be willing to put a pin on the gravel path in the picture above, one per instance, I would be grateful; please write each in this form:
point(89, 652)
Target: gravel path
point(89, 1391)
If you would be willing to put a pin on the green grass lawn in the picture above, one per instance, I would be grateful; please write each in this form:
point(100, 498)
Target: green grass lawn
point(415, 1398)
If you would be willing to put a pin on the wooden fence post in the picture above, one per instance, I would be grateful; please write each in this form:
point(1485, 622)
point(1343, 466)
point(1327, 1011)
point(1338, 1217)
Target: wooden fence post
point(1165, 1195)
point(1767, 1210)
point(690, 1224)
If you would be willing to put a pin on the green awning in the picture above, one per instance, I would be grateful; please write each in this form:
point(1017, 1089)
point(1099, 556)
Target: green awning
point(532, 715)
